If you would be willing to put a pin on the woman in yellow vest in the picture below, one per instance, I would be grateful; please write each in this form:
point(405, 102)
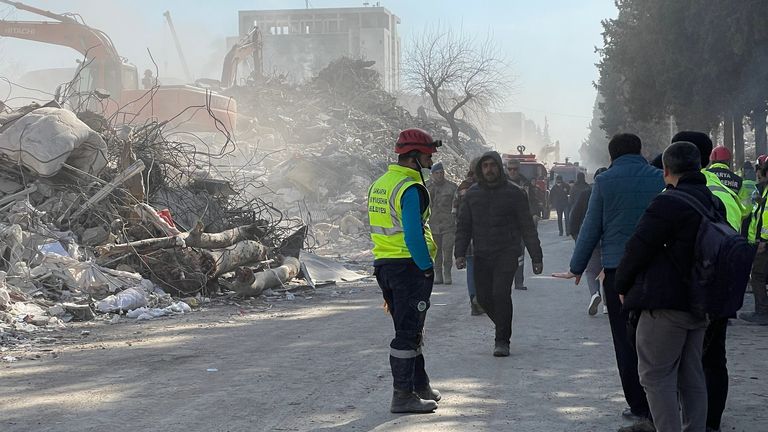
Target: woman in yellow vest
point(404, 253)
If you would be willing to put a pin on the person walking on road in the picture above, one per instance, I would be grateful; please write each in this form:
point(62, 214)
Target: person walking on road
point(442, 222)
point(517, 178)
point(404, 252)
point(474, 306)
point(594, 267)
point(619, 197)
point(653, 279)
point(494, 217)
point(558, 196)
point(758, 234)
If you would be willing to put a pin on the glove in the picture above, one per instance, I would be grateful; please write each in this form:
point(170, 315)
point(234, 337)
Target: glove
point(538, 267)
point(461, 262)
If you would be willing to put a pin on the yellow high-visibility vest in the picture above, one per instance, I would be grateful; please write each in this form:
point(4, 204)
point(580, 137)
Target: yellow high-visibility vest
point(385, 213)
point(759, 214)
point(734, 210)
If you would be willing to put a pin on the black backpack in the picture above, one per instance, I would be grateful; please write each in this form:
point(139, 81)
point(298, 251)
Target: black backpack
point(722, 263)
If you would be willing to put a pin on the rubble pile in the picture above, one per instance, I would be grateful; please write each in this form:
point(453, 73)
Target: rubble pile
point(95, 224)
point(331, 138)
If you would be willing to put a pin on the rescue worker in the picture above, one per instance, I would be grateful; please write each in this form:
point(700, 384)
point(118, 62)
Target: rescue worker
point(403, 250)
point(720, 165)
point(521, 181)
point(758, 233)
point(494, 217)
point(749, 186)
point(714, 354)
point(474, 307)
point(442, 221)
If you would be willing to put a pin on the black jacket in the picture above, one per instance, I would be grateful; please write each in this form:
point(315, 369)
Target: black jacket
point(578, 211)
point(655, 270)
point(495, 216)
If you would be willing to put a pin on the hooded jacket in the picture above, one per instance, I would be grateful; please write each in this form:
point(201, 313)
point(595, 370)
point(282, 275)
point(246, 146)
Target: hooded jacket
point(495, 217)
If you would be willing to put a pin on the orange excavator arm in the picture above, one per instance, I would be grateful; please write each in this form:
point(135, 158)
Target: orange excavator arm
point(250, 46)
point(66, 31)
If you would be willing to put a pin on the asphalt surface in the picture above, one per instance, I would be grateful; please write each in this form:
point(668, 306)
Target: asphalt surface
point(320, 363)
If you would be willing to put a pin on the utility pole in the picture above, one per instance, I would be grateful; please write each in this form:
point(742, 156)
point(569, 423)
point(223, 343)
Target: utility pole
point(188, 75)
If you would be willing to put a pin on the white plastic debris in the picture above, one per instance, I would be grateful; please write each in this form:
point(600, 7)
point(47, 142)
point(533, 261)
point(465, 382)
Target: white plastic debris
point(9, 359)
point(127, 300)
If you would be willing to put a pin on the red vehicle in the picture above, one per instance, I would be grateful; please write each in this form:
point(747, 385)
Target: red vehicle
point(569, 171)
point(536, 173)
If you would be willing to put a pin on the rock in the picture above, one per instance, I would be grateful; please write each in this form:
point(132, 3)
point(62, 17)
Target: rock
point(56, 310)
point(79, 312)
point(5, 298)
point(351, 225)
point(95, 236)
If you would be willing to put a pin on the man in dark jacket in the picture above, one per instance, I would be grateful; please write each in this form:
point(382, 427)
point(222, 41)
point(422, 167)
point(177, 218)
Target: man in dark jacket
point(494, 217)
point(619, 197)
point(558, 196)
point(653, 277)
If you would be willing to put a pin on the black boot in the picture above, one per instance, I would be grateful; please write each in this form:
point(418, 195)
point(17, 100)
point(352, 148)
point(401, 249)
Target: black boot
point(421, 381)
point(404, 401)
point(475, 308)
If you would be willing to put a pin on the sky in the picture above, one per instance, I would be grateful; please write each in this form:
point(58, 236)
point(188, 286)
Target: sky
point(549, 44)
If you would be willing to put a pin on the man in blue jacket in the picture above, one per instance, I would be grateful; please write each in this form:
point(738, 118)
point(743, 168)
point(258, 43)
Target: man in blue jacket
point(619, 197)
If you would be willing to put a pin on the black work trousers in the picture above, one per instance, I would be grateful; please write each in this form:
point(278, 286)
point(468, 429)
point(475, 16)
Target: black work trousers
point(626, 356)
point(406, 292)
point(493, 282)
point(715, 371)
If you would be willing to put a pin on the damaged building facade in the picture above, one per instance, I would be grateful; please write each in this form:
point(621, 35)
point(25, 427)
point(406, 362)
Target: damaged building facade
point(300, 42)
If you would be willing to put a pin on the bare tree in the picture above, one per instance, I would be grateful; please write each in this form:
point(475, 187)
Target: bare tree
point(461, 74)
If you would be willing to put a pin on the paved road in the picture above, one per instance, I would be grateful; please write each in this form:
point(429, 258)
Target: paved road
point(320, 364)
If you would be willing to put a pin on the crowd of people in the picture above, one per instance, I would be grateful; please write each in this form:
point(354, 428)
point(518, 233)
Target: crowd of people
point(640, 228)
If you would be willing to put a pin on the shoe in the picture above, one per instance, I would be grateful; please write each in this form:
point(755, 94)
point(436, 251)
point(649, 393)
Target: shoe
point(428, 393)
point(522, 288)
point(447, 280)
point(475, 308)
point(754, 317)
point(410, 402)
point(709, 429)
point(629, 415)
point(644, 425)
point(605, 310)
point(561, 234)
point(501, 349)
point(438, 280)
point(594, 302)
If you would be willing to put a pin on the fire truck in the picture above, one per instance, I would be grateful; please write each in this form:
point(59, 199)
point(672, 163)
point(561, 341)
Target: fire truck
point(536, 173)
point(569, 171)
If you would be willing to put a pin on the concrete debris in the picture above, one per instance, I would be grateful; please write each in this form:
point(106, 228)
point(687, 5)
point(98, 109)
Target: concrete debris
point(134, 220)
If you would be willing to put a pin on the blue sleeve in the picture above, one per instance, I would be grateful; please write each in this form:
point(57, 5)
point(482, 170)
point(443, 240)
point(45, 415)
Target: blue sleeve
point(413, 230)
point(590, 233)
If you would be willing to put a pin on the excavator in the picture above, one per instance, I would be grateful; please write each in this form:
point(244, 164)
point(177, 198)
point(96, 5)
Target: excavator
point(107, 84)
point(249, 46)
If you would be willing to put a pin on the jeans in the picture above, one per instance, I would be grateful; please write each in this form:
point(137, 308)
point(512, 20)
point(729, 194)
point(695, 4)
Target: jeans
point(626, 357)
point(594, 266)
point(562, 213)
point(757, 282)
point(669, 345)
point(493, 279)
point(406, 292)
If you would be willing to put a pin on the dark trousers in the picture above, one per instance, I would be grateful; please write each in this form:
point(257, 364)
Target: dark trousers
point(406, 292)
point(715, 370)
point(562, 213)
point(493, 282)
point(626, 356)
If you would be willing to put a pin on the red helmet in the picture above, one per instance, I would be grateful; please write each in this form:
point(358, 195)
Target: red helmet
point(761, 159)
point(720, 154)
point(416, 139)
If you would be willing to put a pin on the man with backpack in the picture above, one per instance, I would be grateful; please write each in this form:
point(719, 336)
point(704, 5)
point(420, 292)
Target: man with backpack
point(666, 276)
